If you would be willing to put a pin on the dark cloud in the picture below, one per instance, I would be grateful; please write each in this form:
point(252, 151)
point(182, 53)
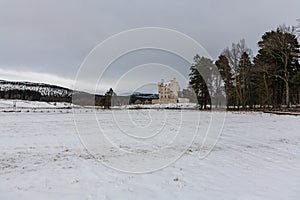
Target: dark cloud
point(55, 36)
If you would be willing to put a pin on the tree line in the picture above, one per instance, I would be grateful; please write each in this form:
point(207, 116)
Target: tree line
point(21, 94)
point(270, 79)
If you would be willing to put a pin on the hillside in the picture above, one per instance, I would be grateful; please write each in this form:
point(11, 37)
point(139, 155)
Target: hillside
point(52, 93)
point(44, 89)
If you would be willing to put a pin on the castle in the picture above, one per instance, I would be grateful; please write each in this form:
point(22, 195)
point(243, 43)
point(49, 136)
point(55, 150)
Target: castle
point(169, 93)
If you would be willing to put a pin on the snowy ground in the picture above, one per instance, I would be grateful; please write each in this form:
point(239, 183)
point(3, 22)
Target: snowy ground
point(22, 104)
point(256, 157)
point(156, 106)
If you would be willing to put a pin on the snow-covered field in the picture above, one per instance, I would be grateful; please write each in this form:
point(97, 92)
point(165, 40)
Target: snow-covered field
point(42, 157)
point(6, 104)
point(156, 106)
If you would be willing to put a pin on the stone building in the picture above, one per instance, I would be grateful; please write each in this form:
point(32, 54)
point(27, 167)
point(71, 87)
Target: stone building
point(168, 92)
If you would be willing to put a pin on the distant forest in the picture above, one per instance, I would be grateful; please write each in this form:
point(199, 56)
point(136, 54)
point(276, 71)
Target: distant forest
point(81, 98)
point(270, 79)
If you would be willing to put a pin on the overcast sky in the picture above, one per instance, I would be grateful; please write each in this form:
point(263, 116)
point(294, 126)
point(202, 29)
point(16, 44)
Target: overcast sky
point(48, 40)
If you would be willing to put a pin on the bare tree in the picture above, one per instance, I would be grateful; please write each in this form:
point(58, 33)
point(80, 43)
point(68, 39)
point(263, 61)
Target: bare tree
point(234, 55)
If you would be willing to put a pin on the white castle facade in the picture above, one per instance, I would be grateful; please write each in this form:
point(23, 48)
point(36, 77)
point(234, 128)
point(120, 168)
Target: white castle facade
point(168, 93)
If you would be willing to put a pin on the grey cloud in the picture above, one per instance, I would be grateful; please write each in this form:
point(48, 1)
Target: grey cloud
point(55, 36)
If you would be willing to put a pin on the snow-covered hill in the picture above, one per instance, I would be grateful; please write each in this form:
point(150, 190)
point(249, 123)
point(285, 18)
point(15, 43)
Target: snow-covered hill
point(44, 89)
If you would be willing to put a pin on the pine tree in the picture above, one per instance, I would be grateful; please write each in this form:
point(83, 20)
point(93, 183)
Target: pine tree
point(227, 76)
point(201, 80)
point(243, 79)
point(277, 60)
point(108, 98)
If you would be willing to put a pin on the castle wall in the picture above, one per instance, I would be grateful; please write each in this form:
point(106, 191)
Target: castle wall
point(168, 93)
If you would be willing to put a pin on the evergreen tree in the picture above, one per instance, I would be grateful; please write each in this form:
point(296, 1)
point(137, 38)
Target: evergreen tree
point(108, 98)
point(227, 76)
point(201, 80)
point(243, 79)
point(278, 62)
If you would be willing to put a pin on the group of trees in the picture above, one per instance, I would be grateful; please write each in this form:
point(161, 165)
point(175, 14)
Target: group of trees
point(32, 95)
point(108, 97)
point(21, 94)
point(270, 79)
